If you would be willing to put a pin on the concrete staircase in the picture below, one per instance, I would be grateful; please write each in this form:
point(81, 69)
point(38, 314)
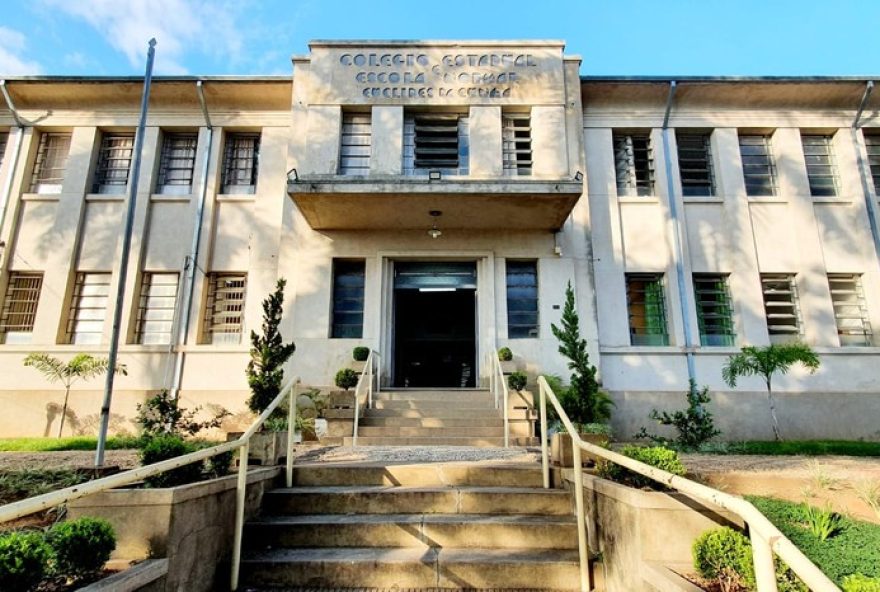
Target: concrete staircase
point(425, 526)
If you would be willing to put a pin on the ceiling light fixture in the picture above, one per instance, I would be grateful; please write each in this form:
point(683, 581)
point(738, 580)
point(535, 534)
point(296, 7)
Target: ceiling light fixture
point(435, 232)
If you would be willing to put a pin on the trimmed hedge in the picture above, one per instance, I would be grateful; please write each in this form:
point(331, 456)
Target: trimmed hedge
point(656, 456)
point(24, 560)
point(82, 546)
point(860, 583)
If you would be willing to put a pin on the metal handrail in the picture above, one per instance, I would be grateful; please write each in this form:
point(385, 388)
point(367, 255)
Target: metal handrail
point(49, 500)
point(366, 378)
point(498, 378)
point(766, 538)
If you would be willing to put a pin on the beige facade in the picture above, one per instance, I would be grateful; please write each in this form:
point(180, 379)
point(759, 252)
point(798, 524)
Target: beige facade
point(354, 153)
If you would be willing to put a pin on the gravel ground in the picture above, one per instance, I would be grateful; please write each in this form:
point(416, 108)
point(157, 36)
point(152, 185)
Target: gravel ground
point(419, 454)
point(17, 461)
point(840, 467)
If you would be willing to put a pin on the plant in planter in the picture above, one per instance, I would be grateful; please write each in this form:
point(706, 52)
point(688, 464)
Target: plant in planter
point(656, 456)
point(24, 560)
point(346, 378)
point(81, 547)
point(517, 381)
point(505, 355)
point(269, 353)
point(360, 354)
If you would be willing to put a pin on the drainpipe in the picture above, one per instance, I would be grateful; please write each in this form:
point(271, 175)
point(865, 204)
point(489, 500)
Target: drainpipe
point(677, 247)
point(16, 152)
point(192, 259)
point(864, 173)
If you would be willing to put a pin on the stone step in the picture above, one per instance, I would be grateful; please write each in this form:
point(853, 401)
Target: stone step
point(439, 413)
point(413, 530)
point(434, 404)
point(419, 475)
point(458, 396)
point(416, 500)
point(412, 568)
point(431, 422)
point(428, 441)
point(423, 432)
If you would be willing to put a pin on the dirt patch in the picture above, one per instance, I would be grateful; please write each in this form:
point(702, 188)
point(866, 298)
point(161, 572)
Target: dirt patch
point(74, 459)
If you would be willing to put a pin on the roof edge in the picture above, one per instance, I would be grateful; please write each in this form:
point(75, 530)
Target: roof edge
point(771, 79)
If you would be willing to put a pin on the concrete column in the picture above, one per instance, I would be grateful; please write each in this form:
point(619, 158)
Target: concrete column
point(871, 272)
point(485, 142)
point(323, 130)
point(549, 155)
point(386, 156)
point(19, 185)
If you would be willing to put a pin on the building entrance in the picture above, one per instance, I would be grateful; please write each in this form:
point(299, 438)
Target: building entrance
point(435, 324)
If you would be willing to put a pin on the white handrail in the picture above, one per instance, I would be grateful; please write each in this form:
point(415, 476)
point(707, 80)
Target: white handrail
point(68, 494)
point(766, 538)
point(498, 378)
point(366, 378)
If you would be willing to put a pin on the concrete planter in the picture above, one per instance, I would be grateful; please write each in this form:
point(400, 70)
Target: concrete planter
point(561, 452)
point(266, 448)
point(508, 367)
point(357, 366)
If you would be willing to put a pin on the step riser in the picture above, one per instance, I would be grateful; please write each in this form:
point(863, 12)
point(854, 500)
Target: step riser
point(418, 476)
point(431, 396)
point(417, 441)
point(434, 404)
point(430, 422)
point(419, 432)
point(451, 413)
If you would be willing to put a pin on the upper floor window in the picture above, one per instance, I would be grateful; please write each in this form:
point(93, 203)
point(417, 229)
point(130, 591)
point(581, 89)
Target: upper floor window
point(355, 147)
point(781, 307)
point(695, 163)
point(872, 143)
point(240, 160)
point(51, 162)
point(850, 309)
point(20, 306)
point(349, 278)
point(177, 164)
point(516, 143)
point(114, 163)
point(759, 170)
point(435, 142)
point(714, 309)
point(821, 169)
point(634, 163)
point(88, 307)
point(646, 304)
point(156, 309)
point(522, 299)
point(224, 310)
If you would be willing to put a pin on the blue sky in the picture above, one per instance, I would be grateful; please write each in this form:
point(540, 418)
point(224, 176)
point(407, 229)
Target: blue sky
point(637, 37)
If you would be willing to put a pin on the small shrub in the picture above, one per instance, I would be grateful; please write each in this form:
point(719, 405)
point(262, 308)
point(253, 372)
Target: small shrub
point(82, 546)
point(694, 425)
point(602, 429)
point(24, 560)
point(163, 448)
point(161, 415)
point(360, 353)
point(655, 456)
point(218, 465)
point(346, 378)
point(517, 381)
point(823, 523)
point(724, 555)
point(505, 355)
point(860, 583)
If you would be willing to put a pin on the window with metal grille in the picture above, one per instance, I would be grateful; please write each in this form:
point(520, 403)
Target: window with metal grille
point(88, 308)
point(646, 304)
point(634, 164)
point(241, 158)
point(158, 303)
point(850, 309)
point(50, 163)
point(695, 164)
point(4, 139)
point(872, 143)
point(20, 307)
point(177, 164)
point(759, 170)
point(714, 309)
point(781, 307)
point(348, 298)
point(114, 163)
point(224, 311)
point(821, 169)
point(516, 143)
point(522, 299)
point(435, 142)
point(355, 148)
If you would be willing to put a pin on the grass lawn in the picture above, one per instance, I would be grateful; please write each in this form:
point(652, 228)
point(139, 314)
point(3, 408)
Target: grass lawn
point(58, 444)
point(794, 447)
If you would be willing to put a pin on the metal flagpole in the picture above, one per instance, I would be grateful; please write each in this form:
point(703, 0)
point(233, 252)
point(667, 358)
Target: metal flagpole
point(123, 265)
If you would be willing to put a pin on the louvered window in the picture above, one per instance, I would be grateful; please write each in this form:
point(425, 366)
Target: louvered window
point(177, 164)
point(714, 310)
point(114, 163)
point(158, 302)
point(240, 161)
point(516, 138)
point(435, 142)
point(4, 140)
point(51, 163)
point(759, 170)
point(20, 307)
point(695, 164)
point(88, 308)
point(850, 309)
point(646, 304)
point(821, 169)
point(348, 298)
point(355, 148)
point(634, 164)
point(781, 307)
point(872, 143)
point(522, 299)
point(224, 312)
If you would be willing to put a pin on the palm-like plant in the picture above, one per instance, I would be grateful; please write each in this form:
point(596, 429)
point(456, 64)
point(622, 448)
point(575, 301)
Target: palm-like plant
point(765, 362)
point(80, 367)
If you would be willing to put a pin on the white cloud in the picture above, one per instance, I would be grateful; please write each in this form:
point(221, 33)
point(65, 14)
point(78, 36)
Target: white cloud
point(12, 62)
point(180, 27)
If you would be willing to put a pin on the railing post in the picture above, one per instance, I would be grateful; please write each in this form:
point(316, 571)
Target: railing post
point(583, 555)
point(291, 431)
point(545, 457)
point(506, 416)
point(765, 568)
point(370, 385)
point(379, 373)
point(240, 496)
point(357, 412)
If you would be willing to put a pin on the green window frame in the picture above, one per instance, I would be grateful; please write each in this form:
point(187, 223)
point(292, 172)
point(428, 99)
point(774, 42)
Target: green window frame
point(714, 310)
point(646, 306)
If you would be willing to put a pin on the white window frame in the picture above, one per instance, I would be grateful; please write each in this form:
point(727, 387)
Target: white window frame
point(19, 310)
point(157, 308)
point(224, 308)
point(177, 163)
point(51, 163)
point(88, 308)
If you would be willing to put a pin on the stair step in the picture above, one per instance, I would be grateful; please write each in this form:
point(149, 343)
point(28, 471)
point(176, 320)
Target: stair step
point(417, 500)
point(434, 404)
point(426, 441)
point(439, 413)
point(419, 475)
point(430, 396)
point(414, 530)
point(422, 432)
point(430, 422)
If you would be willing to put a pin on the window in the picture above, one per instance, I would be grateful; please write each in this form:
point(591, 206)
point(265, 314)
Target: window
point(348, 298)
point(522, 299)
point(714, 309)
point(224, 312)
point(355, 149)
point(516, 143)
point(695, 164)
point(20, 307)
point(850, 309)
point(4, 139)
point(781, 307)
point(177, 164)
point(88, 308)
point(240, 160)
point(158, 302)
point(872, 143)
point(821, 170)
point(435, 142)
point(51, 162)
point(634, 164)
point(114, 163)
point(646, 304)
point(759, 171)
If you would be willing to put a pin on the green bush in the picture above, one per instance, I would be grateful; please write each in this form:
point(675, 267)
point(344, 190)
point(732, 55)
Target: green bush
point(724, 555)
point(602, 429)
point(81, 546)
point(360, 353)
point(517, 380)
point(505, 355)
point(694, 425)
point(24, 560)
point(162, 415)
point(655, 456)
point(163, 448)
point(860, 583)
point(346, 378)
point(218, 465)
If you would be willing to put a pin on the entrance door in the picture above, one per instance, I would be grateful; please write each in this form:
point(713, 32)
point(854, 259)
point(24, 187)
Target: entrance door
point(435, 325)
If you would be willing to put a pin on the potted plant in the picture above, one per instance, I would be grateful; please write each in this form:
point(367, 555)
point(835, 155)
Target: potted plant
point(359, 357)
point(505, 356)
